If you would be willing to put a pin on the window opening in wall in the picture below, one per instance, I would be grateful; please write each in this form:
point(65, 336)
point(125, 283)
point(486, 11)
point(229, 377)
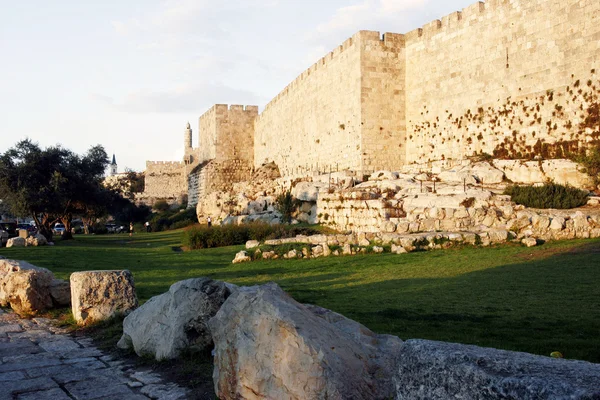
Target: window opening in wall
point(507, 64)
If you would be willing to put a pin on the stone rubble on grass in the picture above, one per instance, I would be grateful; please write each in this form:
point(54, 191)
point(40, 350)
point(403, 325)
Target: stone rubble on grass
point(250, 244)
point(100, 295)
point(37, 240)
point(16, 242)
point(529, 242)
point(241, 257)
point(167, 324)
point(29, 289)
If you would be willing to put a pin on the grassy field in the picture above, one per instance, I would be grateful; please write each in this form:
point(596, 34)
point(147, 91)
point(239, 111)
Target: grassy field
point(536, 300)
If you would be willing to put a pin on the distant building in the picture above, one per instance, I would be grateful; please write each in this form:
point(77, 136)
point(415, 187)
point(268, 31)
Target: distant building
point(113, 166)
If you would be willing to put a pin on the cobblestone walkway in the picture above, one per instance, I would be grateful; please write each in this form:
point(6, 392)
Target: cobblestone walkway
point(39, 361)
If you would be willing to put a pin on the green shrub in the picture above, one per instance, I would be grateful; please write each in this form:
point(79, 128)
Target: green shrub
point(286, 204)
point(203, 237)
point(161, 205)
point(551, 195)
point(173, 219)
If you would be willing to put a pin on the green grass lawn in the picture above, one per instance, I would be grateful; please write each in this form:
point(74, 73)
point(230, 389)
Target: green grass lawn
point(537, 300)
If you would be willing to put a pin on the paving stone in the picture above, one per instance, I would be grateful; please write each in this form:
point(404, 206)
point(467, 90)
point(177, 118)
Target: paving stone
point(164, 392)
point(11, 376)
point(10, 388)
point(98, 389)
point(146, 377)
point(18, 348)
point(59, 345)
point(52, 394)
point(33, 334)
point(135, 384)
point(74, 373)
point(131, 397)
point(18, 363)
point(13, 328)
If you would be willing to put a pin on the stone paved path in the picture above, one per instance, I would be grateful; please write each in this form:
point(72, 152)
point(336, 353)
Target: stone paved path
point(39, 361)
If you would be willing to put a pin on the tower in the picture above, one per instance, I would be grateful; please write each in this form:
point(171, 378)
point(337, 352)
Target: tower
point(113, 166)
point(187, 137)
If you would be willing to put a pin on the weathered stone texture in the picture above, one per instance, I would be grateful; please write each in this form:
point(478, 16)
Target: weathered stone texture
point(177, 320)
point(165, 179)
point(436, 370)
point(269, 346)
point(98, 295)
point(25, 287)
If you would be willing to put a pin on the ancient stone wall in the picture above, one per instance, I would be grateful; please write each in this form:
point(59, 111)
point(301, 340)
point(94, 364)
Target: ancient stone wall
point(515, 78)
point(383, 122)
point(315, 123)
point(216, 175)
point(165, 179)
point(227, 132)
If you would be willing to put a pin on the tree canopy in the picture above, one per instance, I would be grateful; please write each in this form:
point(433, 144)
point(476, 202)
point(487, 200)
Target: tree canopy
point(52, 184)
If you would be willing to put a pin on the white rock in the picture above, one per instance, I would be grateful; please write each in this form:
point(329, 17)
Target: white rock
point(251, 244)
point(16, 242)
point(383, 176)
point(241, 257)
point(37, 240)
point(529, 242)
point(268, 346)
point(167, 324)
point(99, 295)
point(25, 287)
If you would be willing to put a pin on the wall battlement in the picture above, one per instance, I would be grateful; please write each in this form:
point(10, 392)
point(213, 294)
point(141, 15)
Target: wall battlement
point(150, 164)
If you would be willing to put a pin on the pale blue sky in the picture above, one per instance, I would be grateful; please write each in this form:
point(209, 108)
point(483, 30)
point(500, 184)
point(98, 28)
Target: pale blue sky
point(129, 74)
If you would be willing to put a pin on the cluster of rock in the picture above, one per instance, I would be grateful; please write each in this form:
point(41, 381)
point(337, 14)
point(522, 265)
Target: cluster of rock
point(34, 240)
point(267, 345)
point(93, 295)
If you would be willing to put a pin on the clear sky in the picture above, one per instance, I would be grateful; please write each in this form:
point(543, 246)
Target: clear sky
point(129, 74)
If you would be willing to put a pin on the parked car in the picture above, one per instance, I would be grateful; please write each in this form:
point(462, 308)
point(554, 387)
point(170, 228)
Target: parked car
point(28, 227)
point(7, 230)
point(113, 228)
point(58, 229)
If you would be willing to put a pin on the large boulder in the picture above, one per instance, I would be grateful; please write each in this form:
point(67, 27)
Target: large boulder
point(16, 242)
point(25, 287)
point(436, 370)
point(100, 295)
point(171, 322)
point(566, 172)
point(269, 346)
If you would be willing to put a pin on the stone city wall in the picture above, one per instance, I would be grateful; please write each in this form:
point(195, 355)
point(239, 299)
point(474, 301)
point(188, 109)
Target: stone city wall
point(315, 123)
point(165, 179)
point(509, 78)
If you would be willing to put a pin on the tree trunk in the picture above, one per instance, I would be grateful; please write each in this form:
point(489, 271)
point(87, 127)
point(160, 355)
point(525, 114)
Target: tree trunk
point(43, 226)
point(66, 220)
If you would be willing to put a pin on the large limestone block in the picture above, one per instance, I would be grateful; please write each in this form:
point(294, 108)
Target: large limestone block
point(25, 287)
point(566, 172)
point(521, 172)
point(268, 346)
point(485, 173)
point(16, 242)
point(171, 322)
point(309, 191)
point(99, 295)
point(436, 370)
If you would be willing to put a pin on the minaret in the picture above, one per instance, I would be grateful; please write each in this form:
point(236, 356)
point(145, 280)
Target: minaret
point(187, 137)
point(113, 166)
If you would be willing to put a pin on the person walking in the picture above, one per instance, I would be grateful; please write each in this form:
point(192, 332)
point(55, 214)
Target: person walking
point(209, 221)
point(148, 227)
point(131, 229)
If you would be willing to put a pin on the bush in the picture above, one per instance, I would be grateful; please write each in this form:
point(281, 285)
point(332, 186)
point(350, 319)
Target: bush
point(551, 195)
point(173, 219)
point(286, 204)
point(203, 237)
point(161, 205)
